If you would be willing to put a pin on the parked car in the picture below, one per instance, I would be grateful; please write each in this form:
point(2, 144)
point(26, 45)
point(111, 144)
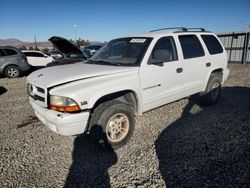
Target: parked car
point(72, 54)
point(91, 49)
point(37, 59)
point(12, 62)
point(127, 77)
point(55, 54)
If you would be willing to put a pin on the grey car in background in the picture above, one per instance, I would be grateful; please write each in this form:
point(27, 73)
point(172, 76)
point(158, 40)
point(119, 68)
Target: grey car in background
point(12, 62)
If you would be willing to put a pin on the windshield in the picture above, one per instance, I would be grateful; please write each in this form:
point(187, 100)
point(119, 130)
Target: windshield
point(123, 51)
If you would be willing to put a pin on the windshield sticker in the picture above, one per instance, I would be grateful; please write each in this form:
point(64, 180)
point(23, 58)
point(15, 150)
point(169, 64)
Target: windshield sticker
point(138, 40)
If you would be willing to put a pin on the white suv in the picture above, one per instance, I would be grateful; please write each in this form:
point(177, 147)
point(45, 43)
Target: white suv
point(126, 77)
point(37, 59)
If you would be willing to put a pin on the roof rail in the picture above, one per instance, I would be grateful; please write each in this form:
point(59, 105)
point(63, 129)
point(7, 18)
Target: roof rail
point(196, 29)
point(171, 28)
point(193, 30)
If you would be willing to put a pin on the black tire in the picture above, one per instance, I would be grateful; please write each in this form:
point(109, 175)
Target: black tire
point(213, 90)
point(100, 122)
point(12, 72)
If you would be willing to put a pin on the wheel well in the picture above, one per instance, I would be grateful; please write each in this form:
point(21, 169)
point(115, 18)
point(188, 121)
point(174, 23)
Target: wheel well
point(8, 66)
point(127, 97)
point(218, 71)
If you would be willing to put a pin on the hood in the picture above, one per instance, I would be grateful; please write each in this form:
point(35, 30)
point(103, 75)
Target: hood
point(52, 76)
point(66, 47)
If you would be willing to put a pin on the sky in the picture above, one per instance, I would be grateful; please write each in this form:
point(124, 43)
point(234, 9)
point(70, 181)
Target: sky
point(103, 20)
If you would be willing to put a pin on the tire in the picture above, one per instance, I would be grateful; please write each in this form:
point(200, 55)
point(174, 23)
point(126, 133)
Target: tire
point(112, 124)
point(213, 90)
point(12, 71)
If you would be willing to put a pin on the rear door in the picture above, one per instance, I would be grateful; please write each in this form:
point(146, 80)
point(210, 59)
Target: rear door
point(216, 57)
point(36, 59)
point(11, 56)
point(194, 63)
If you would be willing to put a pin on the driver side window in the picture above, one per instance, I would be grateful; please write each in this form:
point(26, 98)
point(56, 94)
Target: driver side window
point(164, 51)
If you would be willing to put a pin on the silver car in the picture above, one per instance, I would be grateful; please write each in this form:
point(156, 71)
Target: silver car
point(12, 62)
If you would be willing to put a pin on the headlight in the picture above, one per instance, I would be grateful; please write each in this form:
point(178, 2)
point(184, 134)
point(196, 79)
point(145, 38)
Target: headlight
point(63, 104)
point(29, 89)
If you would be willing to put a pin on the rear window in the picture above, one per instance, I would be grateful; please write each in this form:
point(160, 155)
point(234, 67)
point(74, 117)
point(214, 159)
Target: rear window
point(212, 43)
point(10, 52)
point(191, 46)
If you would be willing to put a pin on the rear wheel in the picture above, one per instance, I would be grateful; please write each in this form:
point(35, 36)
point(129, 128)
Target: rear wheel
point(213, 90)
point(12, 71)
point(112, 123)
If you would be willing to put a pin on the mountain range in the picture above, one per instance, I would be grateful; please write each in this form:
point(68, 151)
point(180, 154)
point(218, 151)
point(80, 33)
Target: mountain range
point(18, 43)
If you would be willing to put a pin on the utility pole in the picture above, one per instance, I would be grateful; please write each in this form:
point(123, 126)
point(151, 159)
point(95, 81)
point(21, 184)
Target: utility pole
point(245, 52)
point(75, 33)
point(35, 43)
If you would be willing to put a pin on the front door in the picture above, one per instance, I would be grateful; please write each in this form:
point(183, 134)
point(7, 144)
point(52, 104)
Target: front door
point(162, 77)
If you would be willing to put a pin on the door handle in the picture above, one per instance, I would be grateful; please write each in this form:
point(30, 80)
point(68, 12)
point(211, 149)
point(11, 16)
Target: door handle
point(179, 70)
point(208, 64)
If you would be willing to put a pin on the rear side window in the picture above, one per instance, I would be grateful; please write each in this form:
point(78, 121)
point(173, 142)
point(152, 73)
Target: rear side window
point(34, 54)
point(10, 52)
point(28, 54)
point(213, 45)
point(191, 46)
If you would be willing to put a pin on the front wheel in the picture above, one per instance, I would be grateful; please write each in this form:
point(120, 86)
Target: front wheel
point(112, 123)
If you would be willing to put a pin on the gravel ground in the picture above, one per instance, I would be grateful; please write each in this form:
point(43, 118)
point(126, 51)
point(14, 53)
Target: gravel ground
point(180, 144)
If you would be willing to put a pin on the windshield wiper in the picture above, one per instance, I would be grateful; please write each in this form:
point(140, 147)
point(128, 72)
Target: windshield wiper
point(103, 62)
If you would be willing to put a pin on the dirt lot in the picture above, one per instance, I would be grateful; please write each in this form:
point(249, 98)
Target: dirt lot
point(180, 144)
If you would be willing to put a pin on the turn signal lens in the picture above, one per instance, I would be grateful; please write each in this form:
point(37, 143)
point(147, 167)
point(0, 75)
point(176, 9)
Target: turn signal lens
point(65, 108)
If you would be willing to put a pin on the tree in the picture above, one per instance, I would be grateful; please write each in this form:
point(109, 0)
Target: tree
point(45, 50)
point(22, 48)
point(37, 49)
point(80, 42)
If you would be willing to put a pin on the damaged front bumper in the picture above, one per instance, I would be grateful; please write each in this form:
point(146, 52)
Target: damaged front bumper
point(62, 123)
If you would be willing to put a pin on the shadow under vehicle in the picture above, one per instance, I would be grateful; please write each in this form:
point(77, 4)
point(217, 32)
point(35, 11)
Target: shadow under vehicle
point(208, 146)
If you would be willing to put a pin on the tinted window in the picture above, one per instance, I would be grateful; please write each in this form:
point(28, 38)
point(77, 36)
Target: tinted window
point(96, 47)
point(2, 53)
point(10, 52)
point(33, 54)
point(28, 54)
point(191, 46)
point(213, 45)
point(164, 50)
point(36, 54)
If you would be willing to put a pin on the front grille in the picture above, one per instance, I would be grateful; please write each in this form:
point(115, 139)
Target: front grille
point(37, 97)
point(41, 90)
point(38, 94)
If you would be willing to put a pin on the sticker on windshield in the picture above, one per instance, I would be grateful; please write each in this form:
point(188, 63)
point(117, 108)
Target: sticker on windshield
point(138, 40)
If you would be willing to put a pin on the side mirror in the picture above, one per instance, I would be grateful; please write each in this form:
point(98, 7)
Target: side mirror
point(45, 56)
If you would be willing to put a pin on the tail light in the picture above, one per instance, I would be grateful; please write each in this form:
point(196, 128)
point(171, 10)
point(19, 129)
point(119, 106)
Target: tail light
point(24, 57)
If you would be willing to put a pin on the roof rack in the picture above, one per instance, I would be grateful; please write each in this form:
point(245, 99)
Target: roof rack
point(171, 28)
point(196, 29)
point(181, 29)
